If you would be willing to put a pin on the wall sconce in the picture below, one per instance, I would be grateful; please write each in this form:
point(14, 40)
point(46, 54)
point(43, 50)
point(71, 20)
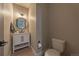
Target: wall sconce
point(19, 14)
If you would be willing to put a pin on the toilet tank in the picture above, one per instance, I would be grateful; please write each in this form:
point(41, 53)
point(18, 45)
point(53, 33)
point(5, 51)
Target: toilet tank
point(58, 44)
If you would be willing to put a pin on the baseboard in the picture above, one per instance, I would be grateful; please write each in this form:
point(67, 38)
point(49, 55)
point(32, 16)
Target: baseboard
point(74, 54)
point(9, 54)
point(35, 54)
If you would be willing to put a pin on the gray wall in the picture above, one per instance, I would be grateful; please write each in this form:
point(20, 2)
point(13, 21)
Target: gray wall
point(58, 21)
point(42, 25)
point(64, 24)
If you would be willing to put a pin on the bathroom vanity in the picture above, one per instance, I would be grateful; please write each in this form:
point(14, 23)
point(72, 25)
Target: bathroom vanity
point(20, 30)
point(20, 40)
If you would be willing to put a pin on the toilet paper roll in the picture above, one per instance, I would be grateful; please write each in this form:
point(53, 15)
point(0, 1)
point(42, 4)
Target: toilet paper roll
point(39, 45)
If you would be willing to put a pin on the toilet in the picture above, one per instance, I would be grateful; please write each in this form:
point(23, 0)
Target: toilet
point(57, 48)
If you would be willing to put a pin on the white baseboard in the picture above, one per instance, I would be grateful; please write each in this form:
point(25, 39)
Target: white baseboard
point(35, 54)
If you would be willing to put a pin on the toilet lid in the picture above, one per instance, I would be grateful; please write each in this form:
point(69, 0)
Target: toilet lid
point(52, 52)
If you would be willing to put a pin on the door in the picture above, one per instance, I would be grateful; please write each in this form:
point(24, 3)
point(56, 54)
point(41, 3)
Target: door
point(5, 19)
point(1, 30)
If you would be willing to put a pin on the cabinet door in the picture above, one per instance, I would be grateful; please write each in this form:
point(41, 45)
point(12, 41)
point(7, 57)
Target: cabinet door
point(20, 38)
point(26, 38)
point(16, 39)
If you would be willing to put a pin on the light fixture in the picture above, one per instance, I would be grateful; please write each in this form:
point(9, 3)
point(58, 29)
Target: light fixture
point(22, 14)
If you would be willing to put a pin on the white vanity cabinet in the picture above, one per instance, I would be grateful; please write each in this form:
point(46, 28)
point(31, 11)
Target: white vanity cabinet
point(20, 40)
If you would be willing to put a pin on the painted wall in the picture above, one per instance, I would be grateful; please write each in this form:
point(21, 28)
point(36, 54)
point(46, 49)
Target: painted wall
point(58, 21)
point(38, 27)
point(32, 26)
point(17, 11)
point(42, 25)
point(1, 28)
point(64, 24)
point(7, 12)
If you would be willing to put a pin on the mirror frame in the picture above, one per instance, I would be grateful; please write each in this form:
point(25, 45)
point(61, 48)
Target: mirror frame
point(21, 22)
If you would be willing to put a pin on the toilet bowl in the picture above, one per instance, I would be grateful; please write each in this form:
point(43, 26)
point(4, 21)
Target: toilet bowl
point(52, 52)
point(57, 48)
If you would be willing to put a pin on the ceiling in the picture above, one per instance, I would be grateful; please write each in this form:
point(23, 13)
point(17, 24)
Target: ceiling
point(26, 5)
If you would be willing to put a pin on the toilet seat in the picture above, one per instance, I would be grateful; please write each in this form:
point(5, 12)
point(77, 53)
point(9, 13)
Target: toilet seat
point(52, 52)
